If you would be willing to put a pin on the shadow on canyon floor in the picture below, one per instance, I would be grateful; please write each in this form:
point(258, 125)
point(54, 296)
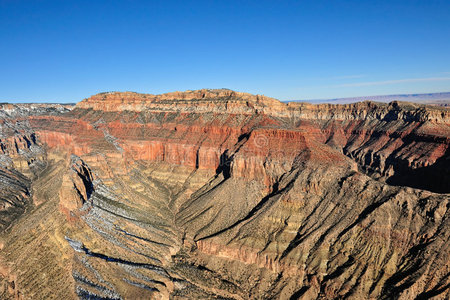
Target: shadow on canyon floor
point(434, 178)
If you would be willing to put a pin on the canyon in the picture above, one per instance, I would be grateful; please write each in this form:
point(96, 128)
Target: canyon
point(217, 194)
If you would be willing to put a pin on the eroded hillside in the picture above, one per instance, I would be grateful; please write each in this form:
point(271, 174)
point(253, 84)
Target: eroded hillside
point(220, 194)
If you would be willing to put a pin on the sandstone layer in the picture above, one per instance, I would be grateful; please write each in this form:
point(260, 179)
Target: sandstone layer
point(221, 194)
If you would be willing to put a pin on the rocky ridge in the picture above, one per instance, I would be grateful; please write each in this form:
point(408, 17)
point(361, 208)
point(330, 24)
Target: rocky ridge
point(220, 194)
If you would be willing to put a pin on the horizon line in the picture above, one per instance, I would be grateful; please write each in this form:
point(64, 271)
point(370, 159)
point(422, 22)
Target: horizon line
point(289, 100)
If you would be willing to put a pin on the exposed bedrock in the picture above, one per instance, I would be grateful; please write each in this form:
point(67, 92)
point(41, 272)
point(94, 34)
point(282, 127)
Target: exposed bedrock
point(77, 186)
point(220, 194)
point(402, 143)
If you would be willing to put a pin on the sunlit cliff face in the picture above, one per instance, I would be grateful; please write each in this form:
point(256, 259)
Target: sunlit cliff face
point(220, 194)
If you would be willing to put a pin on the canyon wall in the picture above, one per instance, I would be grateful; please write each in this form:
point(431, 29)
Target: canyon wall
point(216, 193)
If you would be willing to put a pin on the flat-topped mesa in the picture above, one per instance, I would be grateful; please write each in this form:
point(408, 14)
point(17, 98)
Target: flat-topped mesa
point(228, 101)
point(204, 100)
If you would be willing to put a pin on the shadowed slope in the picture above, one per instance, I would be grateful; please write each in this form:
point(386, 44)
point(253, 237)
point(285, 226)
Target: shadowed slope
point(219, 194)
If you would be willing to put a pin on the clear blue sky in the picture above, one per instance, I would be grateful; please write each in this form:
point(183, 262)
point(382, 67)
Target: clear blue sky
point(64, 51)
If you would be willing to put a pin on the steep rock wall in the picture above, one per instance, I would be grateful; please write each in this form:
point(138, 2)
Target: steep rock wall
point(214, 193)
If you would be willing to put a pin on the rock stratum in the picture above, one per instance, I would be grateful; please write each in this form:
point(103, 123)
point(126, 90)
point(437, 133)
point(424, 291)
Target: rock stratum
point(216, 194)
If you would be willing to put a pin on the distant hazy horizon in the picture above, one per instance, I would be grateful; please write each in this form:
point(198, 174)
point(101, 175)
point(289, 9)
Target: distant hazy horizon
point(419, 98)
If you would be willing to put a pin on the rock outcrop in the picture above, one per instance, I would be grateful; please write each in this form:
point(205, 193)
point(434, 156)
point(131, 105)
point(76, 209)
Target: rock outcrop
point(220, 194)
point(77, 186)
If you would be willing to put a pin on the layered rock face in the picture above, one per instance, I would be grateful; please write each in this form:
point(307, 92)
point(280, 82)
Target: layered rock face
point(220, 194)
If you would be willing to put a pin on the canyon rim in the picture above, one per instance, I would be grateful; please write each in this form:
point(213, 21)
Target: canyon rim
point(217, 194)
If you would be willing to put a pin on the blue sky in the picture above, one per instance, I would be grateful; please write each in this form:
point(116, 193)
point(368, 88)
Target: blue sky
point(64, 51)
